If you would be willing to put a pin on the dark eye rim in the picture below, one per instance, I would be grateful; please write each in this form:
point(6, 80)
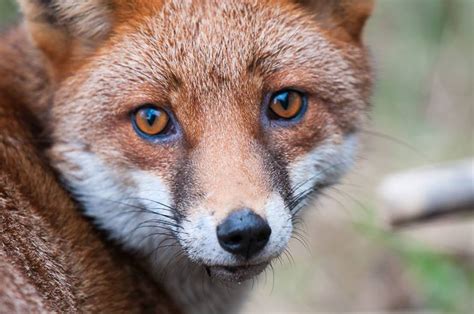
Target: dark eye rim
point(168, 134)
point(273, 118)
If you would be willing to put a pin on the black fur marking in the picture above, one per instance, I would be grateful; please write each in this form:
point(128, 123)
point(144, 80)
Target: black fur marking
point(277, 167)
point(48, 13)
point(184, 188)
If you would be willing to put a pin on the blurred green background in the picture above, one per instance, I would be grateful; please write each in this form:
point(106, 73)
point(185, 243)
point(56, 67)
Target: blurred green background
point(423, 114)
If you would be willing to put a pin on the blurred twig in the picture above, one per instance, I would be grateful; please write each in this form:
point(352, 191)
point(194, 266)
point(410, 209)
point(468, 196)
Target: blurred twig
point(425, 194)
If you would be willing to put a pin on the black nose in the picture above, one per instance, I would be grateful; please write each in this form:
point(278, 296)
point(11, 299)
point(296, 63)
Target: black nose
point(243, 233)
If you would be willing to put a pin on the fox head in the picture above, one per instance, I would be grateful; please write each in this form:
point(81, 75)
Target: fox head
point(200, 128)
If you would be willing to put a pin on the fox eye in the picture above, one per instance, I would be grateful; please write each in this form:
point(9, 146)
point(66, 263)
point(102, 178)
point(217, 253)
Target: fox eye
point(150, 120)
point(287, 105)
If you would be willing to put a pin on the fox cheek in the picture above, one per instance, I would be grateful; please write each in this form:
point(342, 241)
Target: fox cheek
point(321, 167)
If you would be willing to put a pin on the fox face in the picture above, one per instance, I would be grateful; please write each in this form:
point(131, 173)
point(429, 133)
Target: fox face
point(199, 129)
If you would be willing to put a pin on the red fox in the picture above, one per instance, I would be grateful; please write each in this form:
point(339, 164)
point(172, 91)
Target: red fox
point(193, 132)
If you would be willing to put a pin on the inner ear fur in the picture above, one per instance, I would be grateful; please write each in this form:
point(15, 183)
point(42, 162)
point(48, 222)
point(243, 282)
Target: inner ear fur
point(66, 29)
point(343, 19)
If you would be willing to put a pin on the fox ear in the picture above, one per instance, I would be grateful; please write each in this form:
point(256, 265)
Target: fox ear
point(66, 28)
point(344, 19)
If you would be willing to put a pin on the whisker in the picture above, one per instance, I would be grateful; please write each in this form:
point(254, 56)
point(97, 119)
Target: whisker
point(398, 141)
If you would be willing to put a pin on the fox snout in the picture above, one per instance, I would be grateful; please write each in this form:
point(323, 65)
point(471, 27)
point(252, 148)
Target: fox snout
point(243, 233)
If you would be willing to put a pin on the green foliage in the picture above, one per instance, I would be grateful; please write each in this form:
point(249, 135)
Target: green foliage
point(8, 11)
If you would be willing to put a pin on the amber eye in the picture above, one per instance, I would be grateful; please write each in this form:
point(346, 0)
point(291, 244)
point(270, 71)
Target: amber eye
point(151, 120)
point(287, 104)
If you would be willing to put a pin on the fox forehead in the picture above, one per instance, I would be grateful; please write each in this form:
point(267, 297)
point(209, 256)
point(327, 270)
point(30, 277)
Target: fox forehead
point(206, 57)
point(200, 45)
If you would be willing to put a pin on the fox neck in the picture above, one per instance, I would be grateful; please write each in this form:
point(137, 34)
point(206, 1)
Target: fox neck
point(24, 75)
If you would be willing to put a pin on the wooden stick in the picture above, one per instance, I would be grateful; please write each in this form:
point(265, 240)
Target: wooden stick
point(424, 194)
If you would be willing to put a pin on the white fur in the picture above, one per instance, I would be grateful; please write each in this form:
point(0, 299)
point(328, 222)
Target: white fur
point(113, 198)
point(200, 239)
point(323, 166)
point(279, 219)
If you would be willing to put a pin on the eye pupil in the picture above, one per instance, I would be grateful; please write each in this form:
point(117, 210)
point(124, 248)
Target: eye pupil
point(150, 116)
point(283, 100)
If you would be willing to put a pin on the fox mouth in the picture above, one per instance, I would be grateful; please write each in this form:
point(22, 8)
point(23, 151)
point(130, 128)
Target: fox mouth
point(237, 273)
